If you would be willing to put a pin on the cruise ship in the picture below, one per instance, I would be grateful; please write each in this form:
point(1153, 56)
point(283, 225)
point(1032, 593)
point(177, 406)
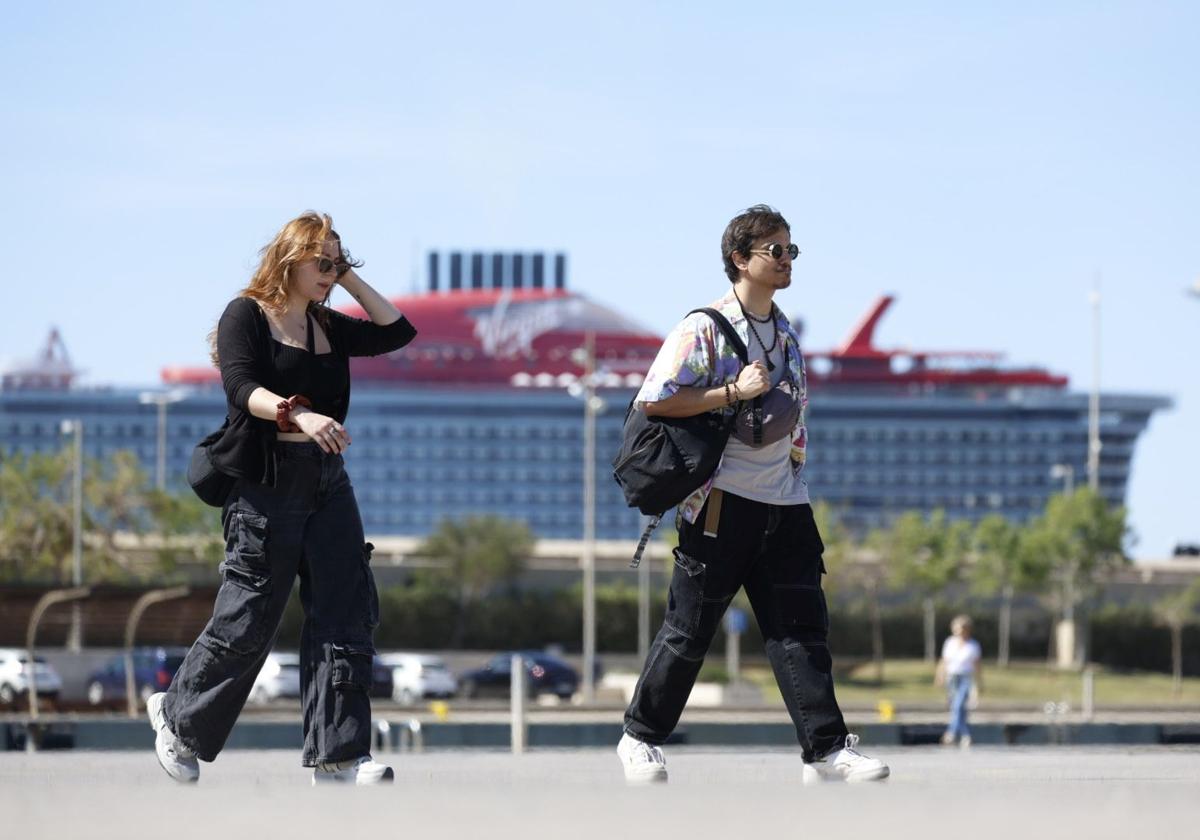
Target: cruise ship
point(484, 413)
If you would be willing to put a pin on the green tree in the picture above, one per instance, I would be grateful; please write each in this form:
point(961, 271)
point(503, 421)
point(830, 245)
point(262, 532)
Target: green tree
point(1081, 539)
point(839, 545)
point(1175, 611)
point(926, 554)
point(846, 569)
point(192, 529)
point(872, 577)
point(35, 517)
point(475, 555)
point(1004, 564)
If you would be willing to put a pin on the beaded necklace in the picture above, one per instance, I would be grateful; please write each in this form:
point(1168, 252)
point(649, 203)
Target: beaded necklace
point(767, 351)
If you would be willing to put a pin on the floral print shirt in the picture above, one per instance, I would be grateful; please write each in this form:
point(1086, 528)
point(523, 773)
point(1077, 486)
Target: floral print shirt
point(696, 354)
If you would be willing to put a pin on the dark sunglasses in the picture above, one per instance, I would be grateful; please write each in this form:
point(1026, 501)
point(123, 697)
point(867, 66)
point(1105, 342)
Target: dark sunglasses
point(776, 251)
point(326, 265)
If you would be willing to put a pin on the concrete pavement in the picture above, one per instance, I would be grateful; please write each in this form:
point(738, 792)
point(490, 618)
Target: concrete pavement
point(1013, 793)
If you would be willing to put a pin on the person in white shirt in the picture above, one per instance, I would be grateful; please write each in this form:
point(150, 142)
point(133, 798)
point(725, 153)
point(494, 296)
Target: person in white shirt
point(960, 671)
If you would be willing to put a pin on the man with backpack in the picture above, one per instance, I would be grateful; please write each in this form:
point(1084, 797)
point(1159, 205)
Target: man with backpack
point(749, 524)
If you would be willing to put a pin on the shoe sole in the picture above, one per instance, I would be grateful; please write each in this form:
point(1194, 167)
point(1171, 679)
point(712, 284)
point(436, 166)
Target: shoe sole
point(172, 776)
point(870, 776)
point(812, 776)
point(386, 777)
point(657, 777)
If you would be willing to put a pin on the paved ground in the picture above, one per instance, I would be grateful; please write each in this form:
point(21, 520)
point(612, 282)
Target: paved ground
point(999, 792)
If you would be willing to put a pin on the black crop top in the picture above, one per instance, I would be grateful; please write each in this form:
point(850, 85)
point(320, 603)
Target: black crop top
point(250, 358)
point(322, 377)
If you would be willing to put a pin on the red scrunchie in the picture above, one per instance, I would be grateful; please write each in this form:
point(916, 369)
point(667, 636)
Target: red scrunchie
point(283, 412)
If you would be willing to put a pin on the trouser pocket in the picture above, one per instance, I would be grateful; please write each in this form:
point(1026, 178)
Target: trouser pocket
point(351, 666)
point(241, 621)
point(685, 599)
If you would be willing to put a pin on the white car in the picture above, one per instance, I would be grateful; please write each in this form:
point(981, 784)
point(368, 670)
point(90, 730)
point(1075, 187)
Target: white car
point(279, 677)
point(416, 676)
point(14, 676)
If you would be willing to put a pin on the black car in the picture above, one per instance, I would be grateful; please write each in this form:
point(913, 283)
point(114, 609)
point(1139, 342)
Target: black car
point(544, 674)
point(381, 679)
point(153, 670)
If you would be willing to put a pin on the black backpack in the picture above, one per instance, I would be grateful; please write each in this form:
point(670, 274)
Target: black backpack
point(663, 460)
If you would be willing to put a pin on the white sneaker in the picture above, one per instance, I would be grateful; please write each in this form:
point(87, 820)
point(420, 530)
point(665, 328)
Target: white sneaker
point(356, 771)
point(845, 765)
point(643, 762)
point(179, 762)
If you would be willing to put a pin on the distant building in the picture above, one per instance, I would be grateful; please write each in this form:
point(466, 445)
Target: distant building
point(477, 415)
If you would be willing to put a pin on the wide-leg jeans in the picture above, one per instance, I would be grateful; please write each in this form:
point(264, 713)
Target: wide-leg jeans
point(307, 525)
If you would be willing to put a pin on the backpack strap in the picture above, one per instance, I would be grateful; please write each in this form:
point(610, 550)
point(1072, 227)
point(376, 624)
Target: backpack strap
point(756, 412)
point(641, 546)
point(727, 328)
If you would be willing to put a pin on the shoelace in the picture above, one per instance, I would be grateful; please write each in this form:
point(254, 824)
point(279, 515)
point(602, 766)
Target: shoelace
point(648, 753)
point(177, 750)
point(332, 767)
point(851, 743)
point(338, 766)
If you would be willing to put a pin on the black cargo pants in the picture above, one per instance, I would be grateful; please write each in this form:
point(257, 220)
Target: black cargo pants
point(773, 551)
point(308, 524)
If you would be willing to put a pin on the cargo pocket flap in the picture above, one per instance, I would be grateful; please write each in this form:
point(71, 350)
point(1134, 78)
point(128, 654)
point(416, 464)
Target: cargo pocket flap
point(351, 665)
point(246, 564)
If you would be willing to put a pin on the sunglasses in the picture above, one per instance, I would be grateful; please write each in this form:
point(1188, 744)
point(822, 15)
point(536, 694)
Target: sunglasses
point(326, 265)
point(776, 251)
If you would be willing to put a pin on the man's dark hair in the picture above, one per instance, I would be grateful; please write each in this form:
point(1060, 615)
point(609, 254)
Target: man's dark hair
point(750, 224)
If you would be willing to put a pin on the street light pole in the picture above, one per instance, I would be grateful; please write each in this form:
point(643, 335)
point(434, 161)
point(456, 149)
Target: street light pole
point(161, 400)
point(1093, 463)
point(1064, 632)
point(589, 519)
point(1067, 473)
point(75, 428)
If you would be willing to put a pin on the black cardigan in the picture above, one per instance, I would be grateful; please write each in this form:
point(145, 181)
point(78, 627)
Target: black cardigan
point(246, 447)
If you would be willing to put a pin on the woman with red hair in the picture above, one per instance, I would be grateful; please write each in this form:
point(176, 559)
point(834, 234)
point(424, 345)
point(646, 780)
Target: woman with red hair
point(290, 511)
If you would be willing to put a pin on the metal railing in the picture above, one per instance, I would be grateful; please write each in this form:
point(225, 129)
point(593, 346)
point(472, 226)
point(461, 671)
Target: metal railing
point(142, 604)
point(43, 604)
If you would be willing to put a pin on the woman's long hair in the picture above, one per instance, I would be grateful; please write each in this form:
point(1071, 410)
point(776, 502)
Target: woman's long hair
point(300, 239)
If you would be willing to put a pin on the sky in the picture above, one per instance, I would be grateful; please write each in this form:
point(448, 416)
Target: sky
point(987, 163)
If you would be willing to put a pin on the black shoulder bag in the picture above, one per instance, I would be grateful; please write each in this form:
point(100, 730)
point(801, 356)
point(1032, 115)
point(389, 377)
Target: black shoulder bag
point(209, 483)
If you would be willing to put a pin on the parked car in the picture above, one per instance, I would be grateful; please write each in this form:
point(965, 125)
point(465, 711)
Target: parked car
point(416, 676)
point(381, 678)
point(279, 677)
point(153, 670)
point(14, 677)
point(545, 674)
